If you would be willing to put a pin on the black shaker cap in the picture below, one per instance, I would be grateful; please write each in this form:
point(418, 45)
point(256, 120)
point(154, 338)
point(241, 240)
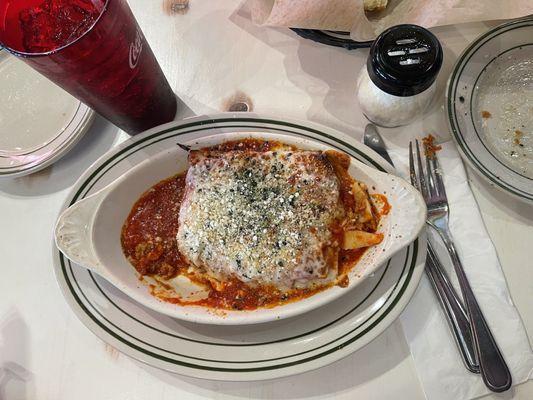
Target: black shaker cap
point(404, 60)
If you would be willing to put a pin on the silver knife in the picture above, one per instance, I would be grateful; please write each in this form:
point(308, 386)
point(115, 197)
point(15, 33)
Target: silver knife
point(449, 300)
point(373, 139)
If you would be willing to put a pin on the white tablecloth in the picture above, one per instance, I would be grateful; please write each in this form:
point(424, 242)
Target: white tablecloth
point(209, 54)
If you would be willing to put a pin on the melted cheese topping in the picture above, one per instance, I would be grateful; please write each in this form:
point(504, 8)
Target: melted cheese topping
point(262, 217)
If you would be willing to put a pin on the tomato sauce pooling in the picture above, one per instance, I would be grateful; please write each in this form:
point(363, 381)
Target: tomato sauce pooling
point(149, 234)
point(149, 242)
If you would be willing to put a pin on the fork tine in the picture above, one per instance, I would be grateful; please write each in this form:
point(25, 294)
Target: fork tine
point(430, 171)
point(441, 190)
point(421, 176)
point(412, 172)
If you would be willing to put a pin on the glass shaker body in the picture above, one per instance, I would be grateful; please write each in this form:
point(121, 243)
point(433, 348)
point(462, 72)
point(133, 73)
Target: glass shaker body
point(397, 83)
point(387, 110)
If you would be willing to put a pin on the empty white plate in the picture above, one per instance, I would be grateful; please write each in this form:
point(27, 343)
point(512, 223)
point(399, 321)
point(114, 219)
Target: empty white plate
point(39, 121)
point(490, 106)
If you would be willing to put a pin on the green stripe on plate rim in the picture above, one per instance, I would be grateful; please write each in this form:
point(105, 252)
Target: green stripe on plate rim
point(229, 345)
point(472, 113)
point(385, 268)
point(337, 347)
point(219, 344)
point(452, 90)
point(197, 341)
point(166, 138)
point(217, 123)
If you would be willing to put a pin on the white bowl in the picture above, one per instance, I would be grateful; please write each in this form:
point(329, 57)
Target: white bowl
point(88, 232)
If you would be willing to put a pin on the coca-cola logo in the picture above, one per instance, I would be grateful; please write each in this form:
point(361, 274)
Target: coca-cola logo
point(135, 50)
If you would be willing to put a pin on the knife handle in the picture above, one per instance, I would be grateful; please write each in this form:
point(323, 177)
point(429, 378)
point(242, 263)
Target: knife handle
point(453, 309)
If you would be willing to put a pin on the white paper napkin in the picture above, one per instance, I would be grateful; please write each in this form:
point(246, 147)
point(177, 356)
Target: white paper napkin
point(436, 357)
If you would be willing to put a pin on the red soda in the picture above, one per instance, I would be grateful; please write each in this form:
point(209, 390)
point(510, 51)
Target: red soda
point(95, 50)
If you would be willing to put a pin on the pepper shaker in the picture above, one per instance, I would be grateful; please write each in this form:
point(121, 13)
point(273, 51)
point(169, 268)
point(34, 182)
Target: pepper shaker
point(398, 81)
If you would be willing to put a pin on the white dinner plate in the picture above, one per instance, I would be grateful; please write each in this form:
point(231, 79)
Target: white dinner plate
point(243, 353)
point(88, 233)
point(490, 106)
point(39, 121)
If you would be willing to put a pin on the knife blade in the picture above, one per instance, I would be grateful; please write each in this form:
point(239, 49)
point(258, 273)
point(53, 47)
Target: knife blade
point(373, 139)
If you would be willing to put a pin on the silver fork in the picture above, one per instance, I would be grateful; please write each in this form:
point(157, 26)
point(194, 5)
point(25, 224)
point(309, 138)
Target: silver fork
point(492, 366)
point(448, 298)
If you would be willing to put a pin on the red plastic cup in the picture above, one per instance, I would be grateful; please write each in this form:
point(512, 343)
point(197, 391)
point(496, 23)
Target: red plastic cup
point(95, 50)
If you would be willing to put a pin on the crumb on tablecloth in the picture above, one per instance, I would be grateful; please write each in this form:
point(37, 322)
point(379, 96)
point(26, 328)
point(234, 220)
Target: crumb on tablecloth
point(430, 148)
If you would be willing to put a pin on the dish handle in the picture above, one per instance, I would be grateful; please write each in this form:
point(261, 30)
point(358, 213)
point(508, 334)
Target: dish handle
point(73, 232)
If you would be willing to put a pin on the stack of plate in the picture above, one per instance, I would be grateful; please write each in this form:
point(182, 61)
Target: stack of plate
point(39, 121)
point(245, 352)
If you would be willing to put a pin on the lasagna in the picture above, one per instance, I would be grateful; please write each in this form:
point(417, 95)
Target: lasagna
point(256, 218)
